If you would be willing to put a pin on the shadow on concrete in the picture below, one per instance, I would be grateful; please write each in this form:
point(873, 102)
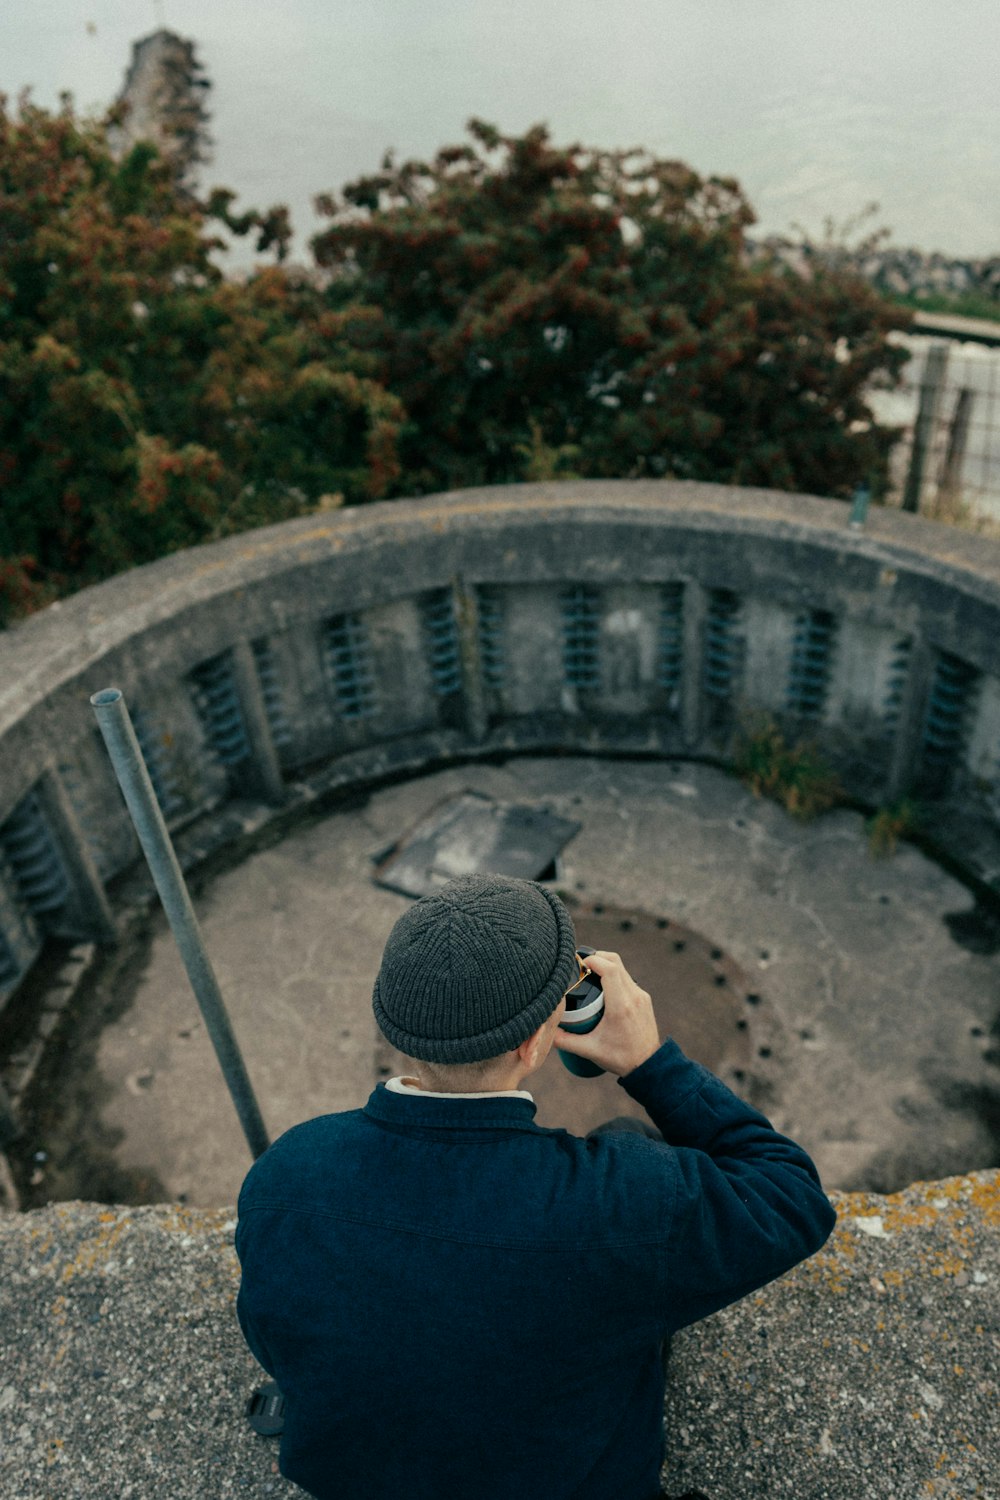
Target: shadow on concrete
point(65, 1151)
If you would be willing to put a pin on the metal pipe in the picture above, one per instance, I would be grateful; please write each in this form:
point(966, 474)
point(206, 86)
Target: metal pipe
point(859, 509)
point(133, 777)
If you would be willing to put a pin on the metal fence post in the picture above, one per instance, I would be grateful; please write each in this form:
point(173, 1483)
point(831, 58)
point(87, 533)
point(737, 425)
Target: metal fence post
point(133, 777)
point(931, 388)
point(950, 482)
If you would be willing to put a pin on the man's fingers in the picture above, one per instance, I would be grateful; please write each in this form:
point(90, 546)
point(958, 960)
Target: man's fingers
point(611, 970)
point(601, 961)
point(580, 1042)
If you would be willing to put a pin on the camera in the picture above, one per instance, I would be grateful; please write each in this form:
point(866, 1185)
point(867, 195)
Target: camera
point(584, 1009)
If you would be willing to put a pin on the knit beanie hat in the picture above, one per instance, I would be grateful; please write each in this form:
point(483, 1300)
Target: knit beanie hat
point(471, 971)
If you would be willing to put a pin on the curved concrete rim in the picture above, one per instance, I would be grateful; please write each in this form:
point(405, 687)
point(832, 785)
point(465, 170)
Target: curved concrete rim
point(101, 617)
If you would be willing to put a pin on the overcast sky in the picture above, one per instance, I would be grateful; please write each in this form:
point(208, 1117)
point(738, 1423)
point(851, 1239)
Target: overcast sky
point(818, 106)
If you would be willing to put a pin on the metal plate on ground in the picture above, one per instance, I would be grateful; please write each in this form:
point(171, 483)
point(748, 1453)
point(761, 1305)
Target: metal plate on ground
point(474, 835)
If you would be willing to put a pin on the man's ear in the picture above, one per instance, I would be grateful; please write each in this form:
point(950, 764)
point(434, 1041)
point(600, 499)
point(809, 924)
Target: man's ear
point(530, 1048)
point(527, 1049)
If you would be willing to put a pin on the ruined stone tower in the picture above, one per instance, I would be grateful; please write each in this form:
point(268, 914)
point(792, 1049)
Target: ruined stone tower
point(163, 101)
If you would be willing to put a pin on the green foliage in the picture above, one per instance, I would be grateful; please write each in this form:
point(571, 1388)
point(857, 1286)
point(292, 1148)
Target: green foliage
point(536, 298)
point(509, 311)
point(960, 304)
point(847, 246)
point(898, 820)
point(146, 403)
point(541, 462)
point(794, 775)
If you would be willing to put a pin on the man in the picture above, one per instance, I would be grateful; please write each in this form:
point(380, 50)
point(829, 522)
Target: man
point(460, 1305)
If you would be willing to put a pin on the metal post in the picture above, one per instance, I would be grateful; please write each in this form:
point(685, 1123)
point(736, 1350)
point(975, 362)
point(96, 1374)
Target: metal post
point(126, 757)
point(950, 482)
point(931, 388)
point(859, 508)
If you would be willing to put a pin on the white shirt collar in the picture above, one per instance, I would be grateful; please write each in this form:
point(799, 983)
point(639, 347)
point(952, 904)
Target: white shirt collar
point(400, 1086)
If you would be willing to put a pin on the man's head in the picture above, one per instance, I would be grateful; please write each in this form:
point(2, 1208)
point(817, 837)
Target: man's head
point(472, 972)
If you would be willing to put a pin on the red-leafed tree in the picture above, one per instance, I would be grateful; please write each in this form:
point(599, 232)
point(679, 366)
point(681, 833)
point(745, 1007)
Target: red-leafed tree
point(146, 402)
point(545, 308)
point(509, 310)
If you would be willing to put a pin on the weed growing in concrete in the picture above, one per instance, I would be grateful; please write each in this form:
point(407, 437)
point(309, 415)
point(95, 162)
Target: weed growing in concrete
point(543, 461)
point(794, 775)
point(895, 821)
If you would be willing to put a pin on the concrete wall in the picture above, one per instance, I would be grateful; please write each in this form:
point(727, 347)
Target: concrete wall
point(869, 1372)
point(647, 617)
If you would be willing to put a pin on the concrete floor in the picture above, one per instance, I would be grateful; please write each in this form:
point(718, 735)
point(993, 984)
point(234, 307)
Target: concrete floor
point(845, 1009)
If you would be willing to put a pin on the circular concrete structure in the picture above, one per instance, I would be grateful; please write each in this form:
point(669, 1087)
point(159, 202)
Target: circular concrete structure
point(273, 670)
point(806, 974)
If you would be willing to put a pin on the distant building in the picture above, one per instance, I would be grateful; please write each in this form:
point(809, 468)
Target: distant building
point(163, 101)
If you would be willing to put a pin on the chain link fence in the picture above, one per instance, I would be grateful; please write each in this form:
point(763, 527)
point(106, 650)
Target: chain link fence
point(947, 462)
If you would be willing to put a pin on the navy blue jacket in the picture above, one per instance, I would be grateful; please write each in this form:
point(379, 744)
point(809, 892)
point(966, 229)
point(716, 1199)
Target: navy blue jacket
point(461, 1305)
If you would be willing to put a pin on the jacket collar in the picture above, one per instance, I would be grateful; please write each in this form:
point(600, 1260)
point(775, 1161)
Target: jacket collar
point(460, 1112)
point(404, 1086)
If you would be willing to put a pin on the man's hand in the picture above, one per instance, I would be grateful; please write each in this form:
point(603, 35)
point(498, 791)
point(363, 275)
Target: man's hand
point(627, 1033)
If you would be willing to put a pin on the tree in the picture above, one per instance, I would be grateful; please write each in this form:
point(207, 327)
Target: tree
point(536, 301)
point(510, 310)
point(146, 402)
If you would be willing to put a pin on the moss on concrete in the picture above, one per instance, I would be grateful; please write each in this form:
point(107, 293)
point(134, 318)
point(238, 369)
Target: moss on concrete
point(871, 1370)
